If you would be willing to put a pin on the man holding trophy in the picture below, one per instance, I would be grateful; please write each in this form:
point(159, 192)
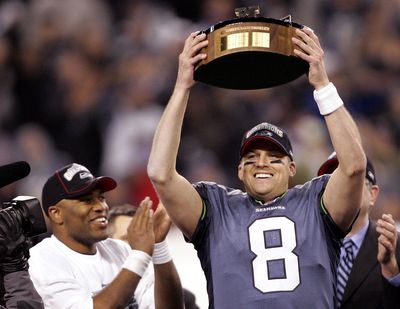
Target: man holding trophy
point(267, 246)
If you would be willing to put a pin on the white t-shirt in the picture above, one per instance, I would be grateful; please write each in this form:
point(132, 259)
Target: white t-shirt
point(65, 278)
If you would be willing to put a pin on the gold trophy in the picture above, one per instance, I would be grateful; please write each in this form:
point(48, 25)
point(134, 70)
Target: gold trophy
point(250, 52)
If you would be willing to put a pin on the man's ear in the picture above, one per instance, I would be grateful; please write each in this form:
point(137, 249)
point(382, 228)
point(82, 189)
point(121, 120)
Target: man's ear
point(55, 214)
point(240, 171)
point(374, 191)
point(292, 168)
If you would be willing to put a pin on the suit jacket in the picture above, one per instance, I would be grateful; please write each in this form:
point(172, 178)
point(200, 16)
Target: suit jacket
point(366, 287)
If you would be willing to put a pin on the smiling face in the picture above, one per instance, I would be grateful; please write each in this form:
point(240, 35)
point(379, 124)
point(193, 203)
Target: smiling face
point(265, 171)
point(81, 223)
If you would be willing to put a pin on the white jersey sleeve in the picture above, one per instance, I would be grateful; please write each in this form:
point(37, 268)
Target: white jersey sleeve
point(67, 279)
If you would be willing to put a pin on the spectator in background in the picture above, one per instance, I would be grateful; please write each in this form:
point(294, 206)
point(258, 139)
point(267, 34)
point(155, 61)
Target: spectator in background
point(373, 278)
point(119, 219)
point(61, 76)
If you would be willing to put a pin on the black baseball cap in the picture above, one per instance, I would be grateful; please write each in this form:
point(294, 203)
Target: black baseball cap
point(269, 133)
point(71, 182)
point(332, 163)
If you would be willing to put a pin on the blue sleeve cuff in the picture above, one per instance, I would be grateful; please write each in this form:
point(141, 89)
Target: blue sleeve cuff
point(394, 280)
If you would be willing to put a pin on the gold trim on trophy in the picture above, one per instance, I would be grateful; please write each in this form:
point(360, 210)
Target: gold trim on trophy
point(250, 52)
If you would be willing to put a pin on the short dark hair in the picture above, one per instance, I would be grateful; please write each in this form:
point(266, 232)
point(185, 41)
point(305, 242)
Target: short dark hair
point(120, 210)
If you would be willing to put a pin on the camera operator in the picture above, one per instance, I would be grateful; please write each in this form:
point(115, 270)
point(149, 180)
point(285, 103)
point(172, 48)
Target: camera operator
point(20, 219)
point(14, 254)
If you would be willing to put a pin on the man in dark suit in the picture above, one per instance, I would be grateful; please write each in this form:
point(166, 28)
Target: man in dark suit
point(374, 279)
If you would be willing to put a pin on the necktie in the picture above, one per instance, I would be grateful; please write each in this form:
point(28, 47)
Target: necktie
point(344, 269)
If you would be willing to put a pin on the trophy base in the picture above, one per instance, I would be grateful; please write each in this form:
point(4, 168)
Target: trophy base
point(251, 70)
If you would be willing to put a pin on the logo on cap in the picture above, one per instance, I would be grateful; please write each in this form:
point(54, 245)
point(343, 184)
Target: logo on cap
point(77, 168)
point(71, 182)
point(265, 126)
point(268, 132)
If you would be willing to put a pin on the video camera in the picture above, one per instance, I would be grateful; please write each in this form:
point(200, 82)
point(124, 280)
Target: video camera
point(21, 217)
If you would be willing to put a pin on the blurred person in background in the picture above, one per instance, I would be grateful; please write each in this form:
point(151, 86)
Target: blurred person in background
point(119, 219)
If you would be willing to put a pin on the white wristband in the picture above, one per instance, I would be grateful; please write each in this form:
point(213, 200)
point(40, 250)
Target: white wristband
point(161, 253)
point(137, 262)
point(328, 99)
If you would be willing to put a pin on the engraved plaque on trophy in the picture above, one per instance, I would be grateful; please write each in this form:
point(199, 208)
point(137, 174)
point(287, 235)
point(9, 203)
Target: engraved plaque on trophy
point(250, 52)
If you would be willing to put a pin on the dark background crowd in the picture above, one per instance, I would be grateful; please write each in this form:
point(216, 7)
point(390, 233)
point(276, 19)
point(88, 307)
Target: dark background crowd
point(86, 81)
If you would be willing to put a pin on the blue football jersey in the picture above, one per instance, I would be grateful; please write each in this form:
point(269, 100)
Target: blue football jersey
point(281, 254)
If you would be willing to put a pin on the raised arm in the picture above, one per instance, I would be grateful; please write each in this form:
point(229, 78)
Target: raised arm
point(180, 199)
point(342, 196)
